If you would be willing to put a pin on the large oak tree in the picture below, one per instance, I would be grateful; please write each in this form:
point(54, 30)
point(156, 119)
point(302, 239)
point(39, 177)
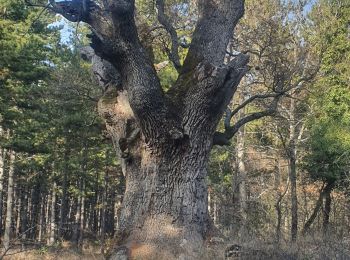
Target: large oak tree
point(164, 137)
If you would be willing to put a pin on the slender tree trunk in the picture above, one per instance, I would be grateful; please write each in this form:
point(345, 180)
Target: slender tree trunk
point(326, 213)
point(8, 222)
point(47, 217)
point(18, 210)
point(77, 218)
point(64, 200)
point(210, 202)
point(82, 218)
point(52, 234)
point(294, 199)
point(240, 184)
point(104, 211)
point(326, 190)
point(41, 221)
point(2, 171)
point(117, 207)
point(293, 171)
point(215, 213)
point(278, 200)
point(35, 209)
point(95, 203)
point(24, 212)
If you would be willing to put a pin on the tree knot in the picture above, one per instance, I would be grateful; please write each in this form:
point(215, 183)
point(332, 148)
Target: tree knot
point(176, 133)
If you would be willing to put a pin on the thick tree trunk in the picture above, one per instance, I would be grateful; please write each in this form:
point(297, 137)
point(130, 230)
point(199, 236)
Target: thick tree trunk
point(9, 202)
point(165, 207)
point(165, 204)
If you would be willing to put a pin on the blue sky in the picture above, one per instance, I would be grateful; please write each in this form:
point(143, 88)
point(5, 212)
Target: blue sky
point(67, 31)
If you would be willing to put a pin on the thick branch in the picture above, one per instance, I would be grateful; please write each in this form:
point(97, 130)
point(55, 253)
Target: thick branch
point(213, 32)
point(164, 20)
point(86, 11)
point(115, 39)
point(139, 78)
point(209, 91)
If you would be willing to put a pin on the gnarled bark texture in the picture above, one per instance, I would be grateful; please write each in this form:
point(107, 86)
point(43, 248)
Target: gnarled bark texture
point(164, 139)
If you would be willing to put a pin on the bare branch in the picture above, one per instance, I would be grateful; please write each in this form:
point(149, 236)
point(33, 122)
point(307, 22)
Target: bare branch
point(230, 131)
point(251, 117)
point(28, 3)
point(164, 20)
point(251, 99)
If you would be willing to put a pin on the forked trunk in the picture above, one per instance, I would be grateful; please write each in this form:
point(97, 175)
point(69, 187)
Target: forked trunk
point(164, 139)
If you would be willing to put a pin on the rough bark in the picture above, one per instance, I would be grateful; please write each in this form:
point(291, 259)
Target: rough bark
point(163, 139)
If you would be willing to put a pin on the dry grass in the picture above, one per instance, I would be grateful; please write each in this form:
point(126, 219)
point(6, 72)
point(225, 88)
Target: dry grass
point(63, 252)
point(308, 248)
